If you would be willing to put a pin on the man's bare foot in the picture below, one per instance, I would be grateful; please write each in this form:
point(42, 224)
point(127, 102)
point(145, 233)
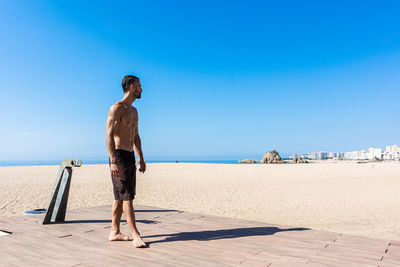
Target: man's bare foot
point(138, 242)
point(114, 236)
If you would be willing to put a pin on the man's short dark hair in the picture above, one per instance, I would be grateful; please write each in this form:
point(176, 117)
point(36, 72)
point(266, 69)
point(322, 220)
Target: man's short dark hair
point(127, 81)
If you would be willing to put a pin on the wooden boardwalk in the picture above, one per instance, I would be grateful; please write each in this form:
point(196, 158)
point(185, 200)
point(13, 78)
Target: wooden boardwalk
point(178, 238)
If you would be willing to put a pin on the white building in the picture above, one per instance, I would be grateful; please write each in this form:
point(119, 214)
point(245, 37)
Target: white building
point(300, 156)
point(392, 153)
point(370, 154)
point(363, 155)
point(336, 155)
point(319, 155)
point(353, 155)
point(374, 153)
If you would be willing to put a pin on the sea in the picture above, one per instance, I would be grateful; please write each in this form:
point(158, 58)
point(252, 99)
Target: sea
point(5, 163)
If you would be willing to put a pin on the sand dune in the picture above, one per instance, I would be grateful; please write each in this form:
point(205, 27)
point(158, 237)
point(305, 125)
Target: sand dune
point(342, 197)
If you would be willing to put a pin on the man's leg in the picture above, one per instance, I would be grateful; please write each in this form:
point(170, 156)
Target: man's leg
point(130, 218)
point(115, 233)
point(116, 215)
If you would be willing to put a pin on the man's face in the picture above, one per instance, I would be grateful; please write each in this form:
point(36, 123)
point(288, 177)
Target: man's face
point(137, 90)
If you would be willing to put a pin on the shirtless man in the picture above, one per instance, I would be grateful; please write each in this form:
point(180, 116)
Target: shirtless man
point(122, 138)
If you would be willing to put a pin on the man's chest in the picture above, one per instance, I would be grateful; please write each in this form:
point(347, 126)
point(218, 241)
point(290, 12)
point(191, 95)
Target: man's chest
point(129, 118)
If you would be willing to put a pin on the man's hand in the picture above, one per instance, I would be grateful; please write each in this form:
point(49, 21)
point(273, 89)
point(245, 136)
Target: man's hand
point(115, 170)
point(142, 166)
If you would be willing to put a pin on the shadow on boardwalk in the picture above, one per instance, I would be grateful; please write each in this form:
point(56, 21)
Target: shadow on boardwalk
point(105, 221)
point(222, 234)
point(122, 221)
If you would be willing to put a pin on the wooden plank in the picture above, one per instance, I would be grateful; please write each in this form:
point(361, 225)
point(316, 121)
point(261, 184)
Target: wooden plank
point(351, 258)
point(337, 262)
point(184, 239)
point(376, 255)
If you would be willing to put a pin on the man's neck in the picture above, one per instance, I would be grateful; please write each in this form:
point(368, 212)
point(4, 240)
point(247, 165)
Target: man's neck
point(128, 98)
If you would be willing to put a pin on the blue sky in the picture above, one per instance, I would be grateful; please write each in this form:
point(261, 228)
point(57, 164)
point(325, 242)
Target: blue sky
point(221, 79)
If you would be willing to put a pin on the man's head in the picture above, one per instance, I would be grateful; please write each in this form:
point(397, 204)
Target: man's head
point(132, 84)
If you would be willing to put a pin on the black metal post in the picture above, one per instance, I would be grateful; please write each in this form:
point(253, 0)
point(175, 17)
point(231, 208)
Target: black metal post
point(59, 198)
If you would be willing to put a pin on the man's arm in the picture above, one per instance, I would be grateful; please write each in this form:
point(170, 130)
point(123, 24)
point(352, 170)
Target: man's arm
point(137, 146)
point(113, 120)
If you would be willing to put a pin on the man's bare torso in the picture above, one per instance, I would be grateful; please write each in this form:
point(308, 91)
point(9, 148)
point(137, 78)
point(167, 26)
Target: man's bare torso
point(126, 127)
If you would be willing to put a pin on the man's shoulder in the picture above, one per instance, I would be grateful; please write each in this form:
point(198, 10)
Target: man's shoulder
point(117, 108)
point(119, 105)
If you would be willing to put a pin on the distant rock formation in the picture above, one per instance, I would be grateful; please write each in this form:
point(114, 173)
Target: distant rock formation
point(300, 160)
point(272, 157)
point(247, 161)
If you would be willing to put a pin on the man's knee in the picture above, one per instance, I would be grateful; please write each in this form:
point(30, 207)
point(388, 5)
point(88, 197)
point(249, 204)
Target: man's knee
point(127, 202)
point(118, 203)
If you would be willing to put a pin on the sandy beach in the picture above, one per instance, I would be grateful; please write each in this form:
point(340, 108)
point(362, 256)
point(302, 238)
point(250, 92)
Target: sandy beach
point(340, 197)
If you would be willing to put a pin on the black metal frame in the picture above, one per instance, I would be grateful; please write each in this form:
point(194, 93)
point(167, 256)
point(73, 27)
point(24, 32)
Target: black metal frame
point(59, 198)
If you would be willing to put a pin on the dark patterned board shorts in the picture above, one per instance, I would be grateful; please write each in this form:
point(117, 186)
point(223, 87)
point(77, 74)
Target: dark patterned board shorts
point(125, 186)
